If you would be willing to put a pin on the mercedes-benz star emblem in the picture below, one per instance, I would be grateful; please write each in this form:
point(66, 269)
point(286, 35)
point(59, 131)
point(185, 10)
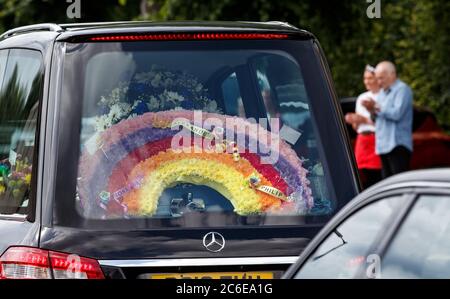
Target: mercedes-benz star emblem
point(214, 241)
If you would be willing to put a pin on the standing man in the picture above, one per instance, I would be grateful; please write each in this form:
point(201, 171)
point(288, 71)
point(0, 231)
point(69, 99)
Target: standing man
point(393, 114)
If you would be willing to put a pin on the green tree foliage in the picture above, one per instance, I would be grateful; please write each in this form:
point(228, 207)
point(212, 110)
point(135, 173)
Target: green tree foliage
point(15, 13)
point(413, 33)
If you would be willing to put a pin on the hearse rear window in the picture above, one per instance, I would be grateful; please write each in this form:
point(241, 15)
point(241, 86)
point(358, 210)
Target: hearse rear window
point(197, 136)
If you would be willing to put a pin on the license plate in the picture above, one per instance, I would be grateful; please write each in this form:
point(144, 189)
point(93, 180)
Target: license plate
point(213, 275)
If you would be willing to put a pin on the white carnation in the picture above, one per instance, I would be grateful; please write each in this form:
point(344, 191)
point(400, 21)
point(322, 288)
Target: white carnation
point(211, 106)
point(156, 80)
point(102, 123)
point(171, 96)
point(115, 112)
point(153, 104)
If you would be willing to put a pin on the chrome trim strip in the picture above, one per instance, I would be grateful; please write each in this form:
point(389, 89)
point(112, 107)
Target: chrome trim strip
point(200, 262)
point(29, 28)
point(417, 184)
point(13, 217)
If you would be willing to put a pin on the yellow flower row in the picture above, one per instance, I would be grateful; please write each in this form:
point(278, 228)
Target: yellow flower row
point(213, 170)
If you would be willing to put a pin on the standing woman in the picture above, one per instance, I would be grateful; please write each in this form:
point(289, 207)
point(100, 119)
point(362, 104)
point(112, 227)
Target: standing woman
point(369, 163)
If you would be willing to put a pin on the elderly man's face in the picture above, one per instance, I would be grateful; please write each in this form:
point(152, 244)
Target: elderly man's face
point(383, 78)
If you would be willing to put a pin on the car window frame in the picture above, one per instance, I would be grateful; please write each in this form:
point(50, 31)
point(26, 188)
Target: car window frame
point(379, 244)
point(415, 197)
point(343, 215)
point(30, 215)
point(3, 71)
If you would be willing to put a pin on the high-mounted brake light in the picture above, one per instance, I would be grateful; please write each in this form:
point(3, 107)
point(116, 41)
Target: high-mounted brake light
point(188, 36)
point(35, 263)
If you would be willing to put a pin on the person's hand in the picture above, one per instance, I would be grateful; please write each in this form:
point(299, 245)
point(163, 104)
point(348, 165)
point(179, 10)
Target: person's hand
point(370, 105)
point(350, 118)
point(355, 120)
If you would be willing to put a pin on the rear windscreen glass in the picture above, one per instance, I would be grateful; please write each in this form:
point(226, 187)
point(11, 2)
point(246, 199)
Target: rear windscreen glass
point(196, 136)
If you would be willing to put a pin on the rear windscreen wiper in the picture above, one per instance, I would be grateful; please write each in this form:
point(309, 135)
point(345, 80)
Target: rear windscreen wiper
point(340, 236)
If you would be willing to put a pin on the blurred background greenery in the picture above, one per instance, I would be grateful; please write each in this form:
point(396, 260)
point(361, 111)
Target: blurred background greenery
point(415, 34)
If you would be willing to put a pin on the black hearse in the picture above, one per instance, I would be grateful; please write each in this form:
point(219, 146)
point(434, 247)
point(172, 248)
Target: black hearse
point(166, 150)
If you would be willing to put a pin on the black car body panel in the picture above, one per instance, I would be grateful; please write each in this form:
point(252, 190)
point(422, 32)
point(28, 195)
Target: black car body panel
point(25, 230)
point(407, 185)
point(106, 245)
point(58, 134)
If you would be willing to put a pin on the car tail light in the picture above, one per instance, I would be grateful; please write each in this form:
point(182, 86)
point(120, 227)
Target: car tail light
point(73, 266)
point(23, 263)
point(188, 36)
point(34, 263)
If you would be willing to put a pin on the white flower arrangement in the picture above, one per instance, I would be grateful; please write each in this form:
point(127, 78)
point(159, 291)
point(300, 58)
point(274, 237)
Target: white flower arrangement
point(153, 91)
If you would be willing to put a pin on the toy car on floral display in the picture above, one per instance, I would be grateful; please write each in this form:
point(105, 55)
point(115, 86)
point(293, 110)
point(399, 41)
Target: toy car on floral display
point(169, 150)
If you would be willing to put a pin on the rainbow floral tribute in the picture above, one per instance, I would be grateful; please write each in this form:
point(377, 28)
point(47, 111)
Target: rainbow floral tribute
point(131, 163)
